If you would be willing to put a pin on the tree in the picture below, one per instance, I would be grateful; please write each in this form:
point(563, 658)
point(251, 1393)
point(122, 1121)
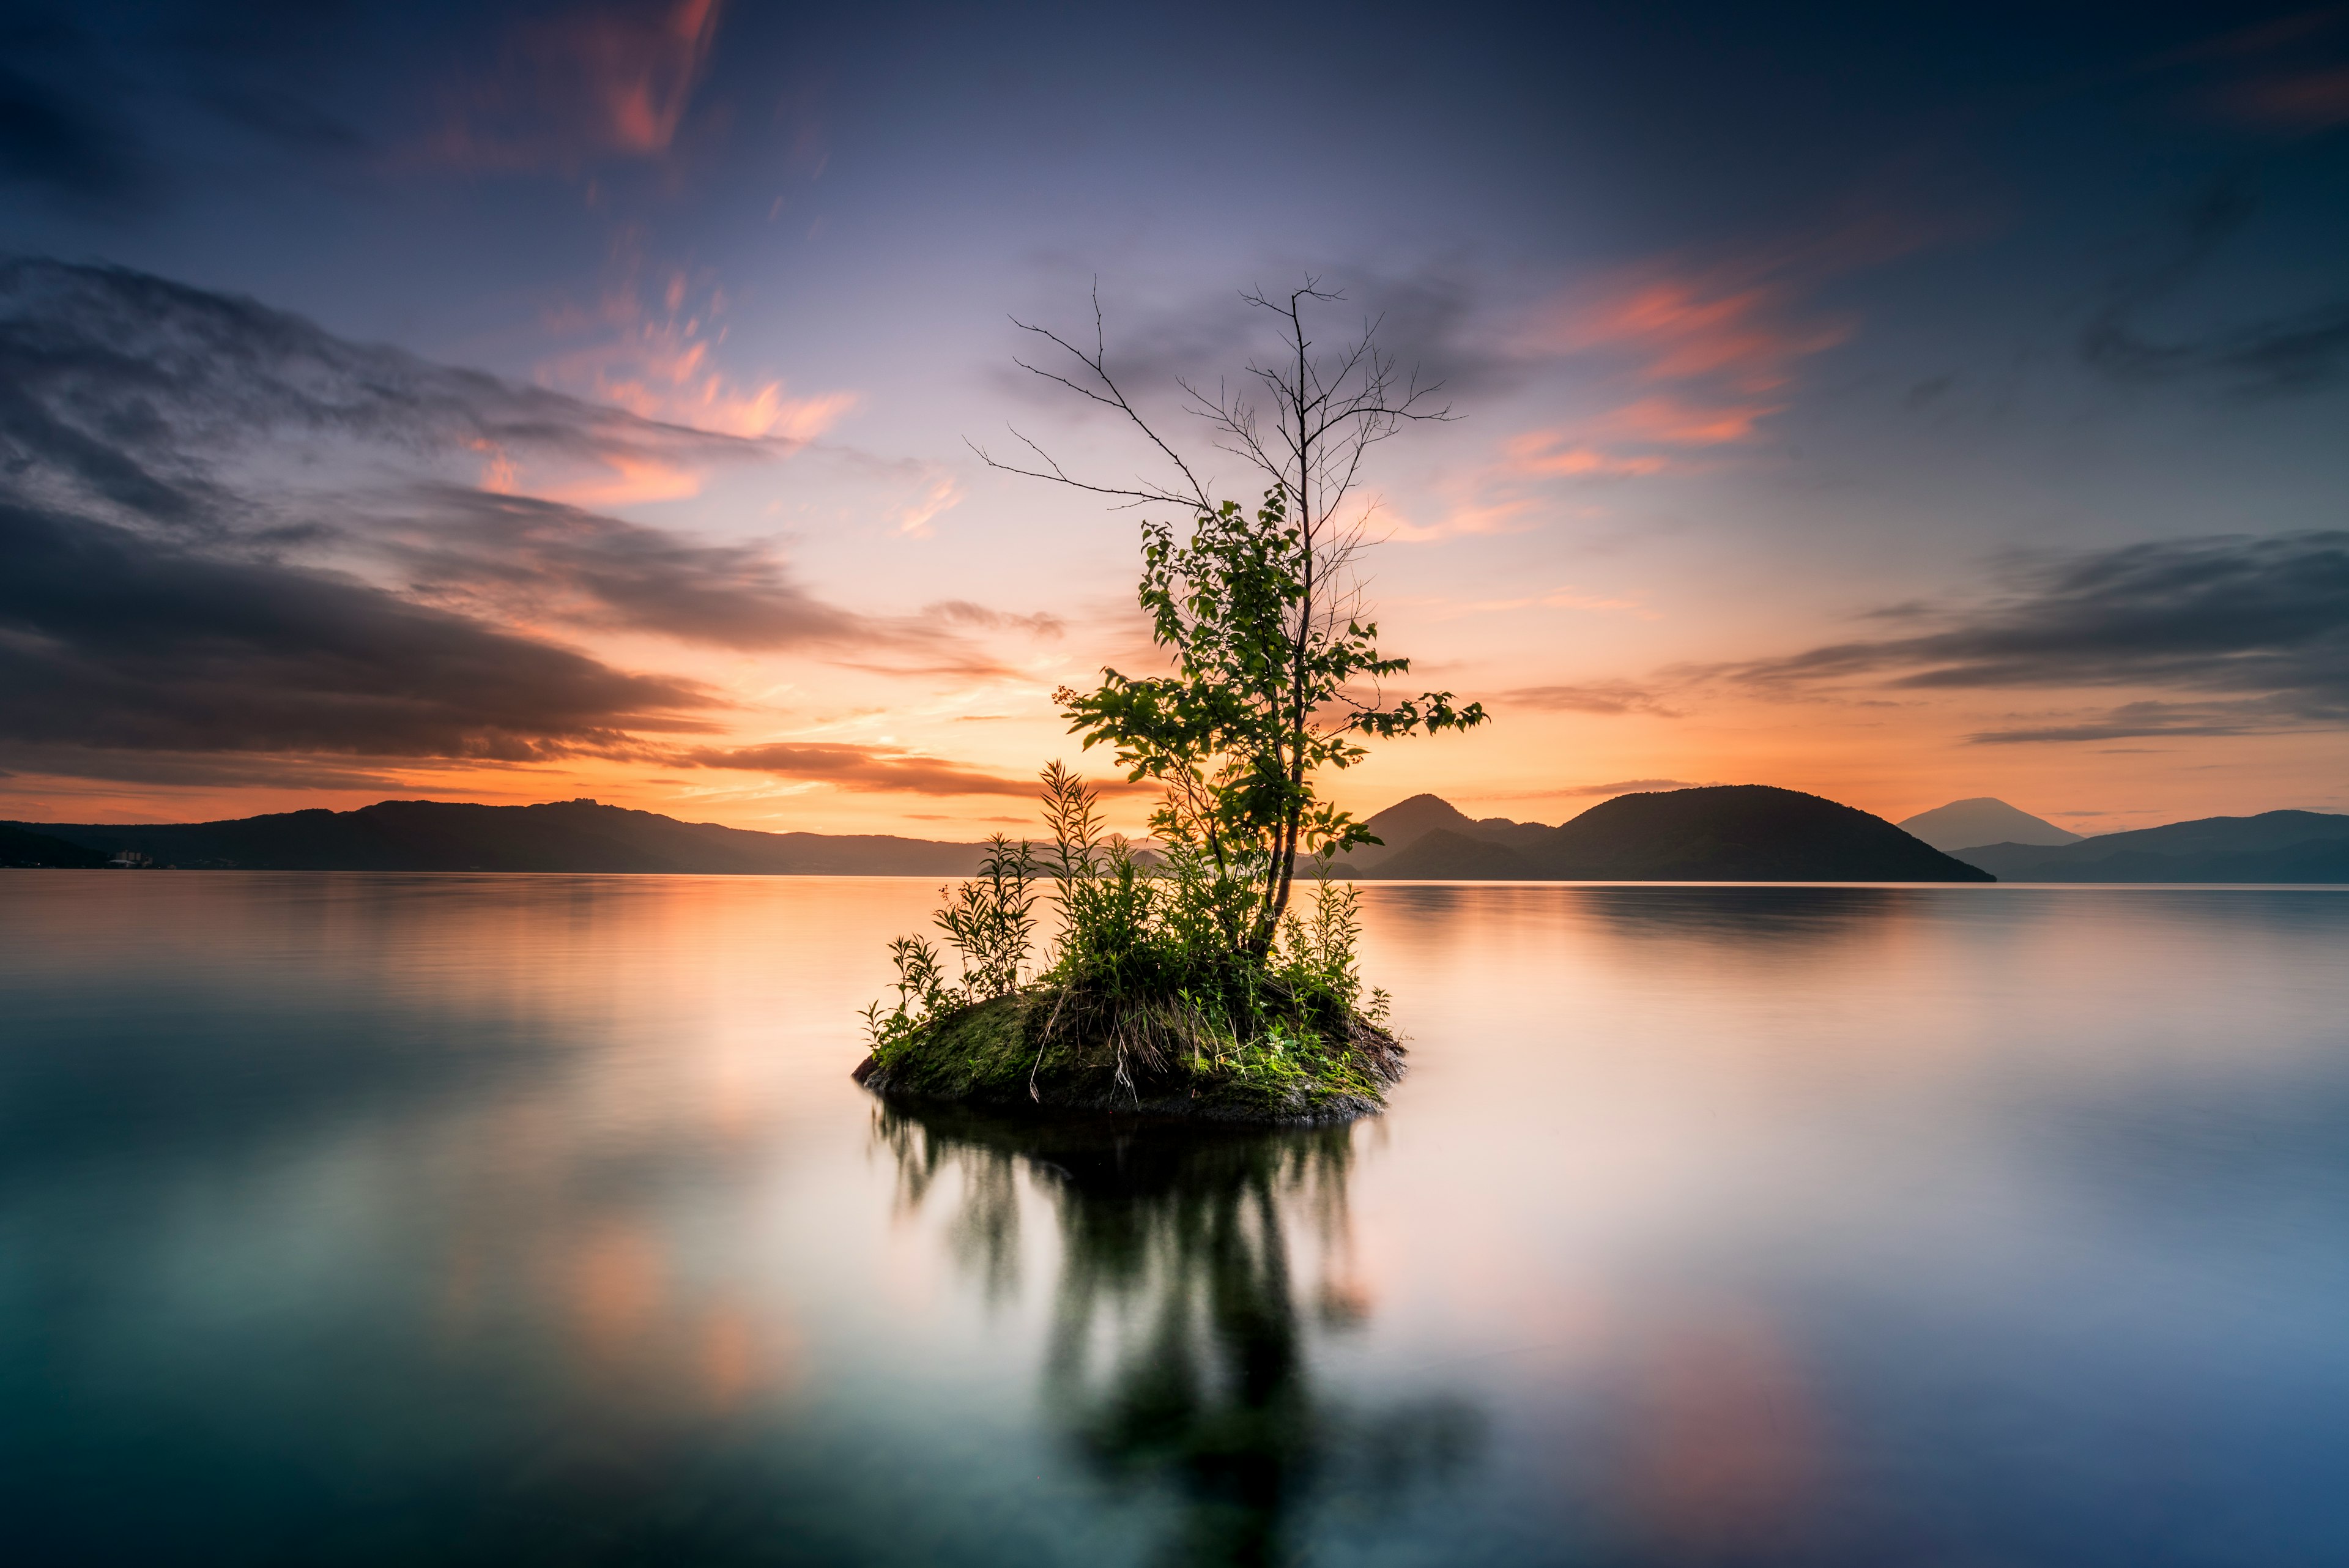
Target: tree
point(1276, 665)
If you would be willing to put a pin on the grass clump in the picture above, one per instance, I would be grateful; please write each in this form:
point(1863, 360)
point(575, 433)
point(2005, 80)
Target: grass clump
point(1143, 1000)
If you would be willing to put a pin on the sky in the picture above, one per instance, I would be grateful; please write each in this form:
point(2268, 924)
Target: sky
point(527, 402)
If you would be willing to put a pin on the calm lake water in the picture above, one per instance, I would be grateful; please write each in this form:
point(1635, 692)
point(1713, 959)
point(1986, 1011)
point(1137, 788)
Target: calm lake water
point(535, 1220)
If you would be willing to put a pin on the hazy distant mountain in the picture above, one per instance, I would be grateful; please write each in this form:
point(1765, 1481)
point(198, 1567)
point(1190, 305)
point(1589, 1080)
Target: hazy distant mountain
point(1723, 833)
point(1445, 856)
point(2273, 846)
point(566, 836)
point(1962, 824)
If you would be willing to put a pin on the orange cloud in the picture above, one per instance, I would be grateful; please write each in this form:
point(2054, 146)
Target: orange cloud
point(499, 475)
point(642, 92)
point(629, 478)
point(600, 82)
point(1496, 518)
point(1714, 336)
point(1723, 324)
point(621, 476)
point(942, 494)
point(675, 394)
point(660, 367)
point(1687, 328)
point(853, 768)
point(1548, 453)
point(1668, 420)
point(1709, 350)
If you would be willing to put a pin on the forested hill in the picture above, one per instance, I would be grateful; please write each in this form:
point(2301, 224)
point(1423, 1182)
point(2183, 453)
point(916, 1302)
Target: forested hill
point(1722, 833)
point(21, 848)
point(565, 835)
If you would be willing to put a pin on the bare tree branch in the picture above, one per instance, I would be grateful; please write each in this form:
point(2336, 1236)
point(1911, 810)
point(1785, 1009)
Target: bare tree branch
point(1305, 422)
point(1109, 396)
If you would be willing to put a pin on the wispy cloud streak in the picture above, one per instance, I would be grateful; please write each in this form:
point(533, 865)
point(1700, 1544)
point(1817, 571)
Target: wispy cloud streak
point(2297, 352)
point(2260, 624)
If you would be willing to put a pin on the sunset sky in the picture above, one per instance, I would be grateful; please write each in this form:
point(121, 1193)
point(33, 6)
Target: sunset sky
point(516, 404)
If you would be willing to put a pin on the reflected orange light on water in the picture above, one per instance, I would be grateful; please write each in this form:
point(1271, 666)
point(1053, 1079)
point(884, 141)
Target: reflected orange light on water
point(1721, 1442)
point(592, 1146)
point(613, 1284)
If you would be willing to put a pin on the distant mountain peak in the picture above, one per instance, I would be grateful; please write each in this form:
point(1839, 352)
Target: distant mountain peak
point(1983, 819)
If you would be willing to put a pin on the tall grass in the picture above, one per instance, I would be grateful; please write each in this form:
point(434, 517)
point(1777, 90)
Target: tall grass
point(1143, 957)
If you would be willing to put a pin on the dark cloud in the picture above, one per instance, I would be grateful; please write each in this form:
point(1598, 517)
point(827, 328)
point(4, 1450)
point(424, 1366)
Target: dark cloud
point(149, 597)
point(2300, 353)
point(2304, 351)
point(203, 769)
point(515, 555)
point(136, 386)
point(1428, 322)
point(113, 641)
point(1149, 346)
point(1591, 696)
point(2133, 720)
point(131, 393)
point(506, 554)
point(2253, 630)
point(226, 531)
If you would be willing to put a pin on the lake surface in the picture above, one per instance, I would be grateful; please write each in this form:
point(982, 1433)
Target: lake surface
point(535, 1220)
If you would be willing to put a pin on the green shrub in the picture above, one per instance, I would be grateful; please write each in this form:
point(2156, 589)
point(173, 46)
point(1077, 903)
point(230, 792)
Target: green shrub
point(1142, 965)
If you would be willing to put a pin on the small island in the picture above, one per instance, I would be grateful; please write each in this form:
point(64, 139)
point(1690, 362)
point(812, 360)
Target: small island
point(1145, 1004)
point(1188, 979)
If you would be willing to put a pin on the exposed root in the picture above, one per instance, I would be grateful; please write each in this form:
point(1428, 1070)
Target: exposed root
point(1160, 1056)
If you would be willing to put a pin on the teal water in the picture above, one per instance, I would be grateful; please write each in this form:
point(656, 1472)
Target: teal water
point(517, 1221)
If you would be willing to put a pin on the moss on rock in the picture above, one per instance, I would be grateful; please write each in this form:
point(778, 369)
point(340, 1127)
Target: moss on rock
point(1056, 1048)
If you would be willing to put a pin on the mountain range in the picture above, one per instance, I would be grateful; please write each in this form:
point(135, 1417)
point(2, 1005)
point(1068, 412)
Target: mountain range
point(1751, 833)
point(2273, 846)
point(1720, 833)
point(1729, 833)
point(561, 836)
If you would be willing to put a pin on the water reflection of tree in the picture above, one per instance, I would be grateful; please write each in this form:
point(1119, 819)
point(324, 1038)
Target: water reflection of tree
point(1179, 1351)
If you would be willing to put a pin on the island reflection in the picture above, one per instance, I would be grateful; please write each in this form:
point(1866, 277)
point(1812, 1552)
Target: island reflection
point(1180, 1350)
